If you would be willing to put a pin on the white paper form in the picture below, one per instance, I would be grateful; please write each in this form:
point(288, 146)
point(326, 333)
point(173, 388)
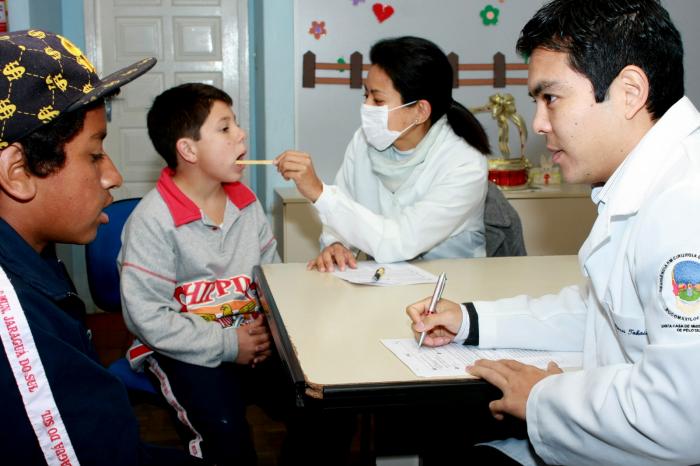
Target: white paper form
point(451, 360)
point(396, 273)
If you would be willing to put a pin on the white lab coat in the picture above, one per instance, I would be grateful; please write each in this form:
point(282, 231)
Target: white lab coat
point(437, 212)
point(637, 400)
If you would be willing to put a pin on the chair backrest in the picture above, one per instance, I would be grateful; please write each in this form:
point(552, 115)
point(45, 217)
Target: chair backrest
point(504, 231)
point(101, 256)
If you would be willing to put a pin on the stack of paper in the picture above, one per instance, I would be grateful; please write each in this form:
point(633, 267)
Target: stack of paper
point(452, 359)
point(396, 273)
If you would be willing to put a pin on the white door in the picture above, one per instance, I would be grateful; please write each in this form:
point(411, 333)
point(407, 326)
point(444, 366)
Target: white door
point(193, 40)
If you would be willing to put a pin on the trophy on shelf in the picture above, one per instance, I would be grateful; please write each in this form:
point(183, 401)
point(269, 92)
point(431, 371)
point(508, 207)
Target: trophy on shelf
point(507, 173)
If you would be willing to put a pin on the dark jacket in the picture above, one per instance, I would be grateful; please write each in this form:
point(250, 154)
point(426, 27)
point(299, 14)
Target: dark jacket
point(93, 403)
point(503, 230)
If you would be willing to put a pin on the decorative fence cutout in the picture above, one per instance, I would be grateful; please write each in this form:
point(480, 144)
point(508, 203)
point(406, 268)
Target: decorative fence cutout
point(499, 67)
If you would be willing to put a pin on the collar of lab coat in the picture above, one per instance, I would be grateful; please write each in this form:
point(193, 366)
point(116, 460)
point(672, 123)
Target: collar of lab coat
point(627, 189)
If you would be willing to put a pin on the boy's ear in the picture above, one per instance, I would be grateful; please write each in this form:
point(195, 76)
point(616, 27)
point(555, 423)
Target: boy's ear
point(15, 178)
point(635, 85)
point(186, 149)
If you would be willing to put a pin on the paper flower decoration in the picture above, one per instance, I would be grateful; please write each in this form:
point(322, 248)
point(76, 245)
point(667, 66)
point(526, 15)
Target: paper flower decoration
point(489, 15)
point(318, 29)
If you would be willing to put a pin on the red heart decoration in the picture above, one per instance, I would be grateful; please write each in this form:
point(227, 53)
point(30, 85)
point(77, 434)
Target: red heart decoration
point(382, 12)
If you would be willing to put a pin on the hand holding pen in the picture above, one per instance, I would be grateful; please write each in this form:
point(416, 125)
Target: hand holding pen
point(437, 294)
point(441, 327)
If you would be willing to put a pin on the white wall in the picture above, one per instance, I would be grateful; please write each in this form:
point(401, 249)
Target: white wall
point(275, 81)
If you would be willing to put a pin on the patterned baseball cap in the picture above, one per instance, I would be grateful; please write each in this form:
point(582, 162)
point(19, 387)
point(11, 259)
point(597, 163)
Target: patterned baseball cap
point(44, 75)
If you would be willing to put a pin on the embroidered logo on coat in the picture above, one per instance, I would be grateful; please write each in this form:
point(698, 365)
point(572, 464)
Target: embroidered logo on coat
point(679, 286)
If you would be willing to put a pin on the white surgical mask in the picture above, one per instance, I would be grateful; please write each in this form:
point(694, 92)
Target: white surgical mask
point(375, 124)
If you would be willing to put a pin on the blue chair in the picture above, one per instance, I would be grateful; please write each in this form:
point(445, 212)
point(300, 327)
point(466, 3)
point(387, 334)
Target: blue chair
point(103, 280)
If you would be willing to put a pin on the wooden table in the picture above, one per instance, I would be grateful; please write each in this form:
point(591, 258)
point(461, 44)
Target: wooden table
point(328, 331)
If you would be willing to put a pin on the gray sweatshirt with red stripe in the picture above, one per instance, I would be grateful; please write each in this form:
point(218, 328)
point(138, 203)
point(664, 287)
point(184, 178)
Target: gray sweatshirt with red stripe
point(184, 279)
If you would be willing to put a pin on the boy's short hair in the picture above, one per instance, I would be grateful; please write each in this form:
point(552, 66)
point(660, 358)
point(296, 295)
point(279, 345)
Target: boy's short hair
point(601, 37)
point(180, 112)
point(44, 148)
point(46, 87)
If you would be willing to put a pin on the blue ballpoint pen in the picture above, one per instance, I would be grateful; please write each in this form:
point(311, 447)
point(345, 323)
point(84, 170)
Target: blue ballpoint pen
point(439, 287)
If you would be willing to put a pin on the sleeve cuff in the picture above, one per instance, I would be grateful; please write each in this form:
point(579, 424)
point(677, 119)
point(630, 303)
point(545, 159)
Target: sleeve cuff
point(230, 352)
point(472, 337)
point(326, 200)
point(463, 332)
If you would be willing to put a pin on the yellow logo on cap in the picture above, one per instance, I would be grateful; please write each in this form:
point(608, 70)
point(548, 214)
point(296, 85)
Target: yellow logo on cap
point(55, 54)
point(3, 144)
point(7, 109)
point(77, 53)
point(87, 88)
point(85, 63)
point(47, 113)
point(56, 81)
point(13, 70)
point(36, 33)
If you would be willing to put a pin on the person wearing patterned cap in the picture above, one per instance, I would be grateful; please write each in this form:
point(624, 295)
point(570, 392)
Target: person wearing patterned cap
point(59, 405)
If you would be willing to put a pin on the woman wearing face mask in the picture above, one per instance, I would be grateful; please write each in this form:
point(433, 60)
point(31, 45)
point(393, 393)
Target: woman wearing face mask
point(414, 177)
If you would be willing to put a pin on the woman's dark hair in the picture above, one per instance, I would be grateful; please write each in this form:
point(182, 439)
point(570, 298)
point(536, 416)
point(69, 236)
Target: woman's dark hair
point(180, 112)
point(601, 37)
point(420, 70)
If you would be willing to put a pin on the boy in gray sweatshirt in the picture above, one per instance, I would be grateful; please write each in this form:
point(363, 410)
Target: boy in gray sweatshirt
point(186, 264)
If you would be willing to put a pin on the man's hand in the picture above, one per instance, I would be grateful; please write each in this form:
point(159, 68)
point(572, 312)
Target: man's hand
point(336, 253)
point(514, 379)
point(442, 326)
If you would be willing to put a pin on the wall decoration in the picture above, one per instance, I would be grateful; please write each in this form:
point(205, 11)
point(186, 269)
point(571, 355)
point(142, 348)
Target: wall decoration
point(310, 66)
point(489, 15)
point(318, 29)
point(382, 12)
point(356, 2)
point(341, 61)
point(498, 68)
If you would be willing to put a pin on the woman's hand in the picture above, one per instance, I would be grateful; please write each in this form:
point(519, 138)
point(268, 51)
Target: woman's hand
point(335, 253)
point(442, 326)
point(297, 166)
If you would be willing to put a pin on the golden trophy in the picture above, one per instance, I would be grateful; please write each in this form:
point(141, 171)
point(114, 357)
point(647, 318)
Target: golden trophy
point(507, 173)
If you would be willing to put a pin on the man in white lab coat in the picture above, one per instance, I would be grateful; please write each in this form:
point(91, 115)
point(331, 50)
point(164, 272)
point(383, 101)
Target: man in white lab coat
point(607, 80)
